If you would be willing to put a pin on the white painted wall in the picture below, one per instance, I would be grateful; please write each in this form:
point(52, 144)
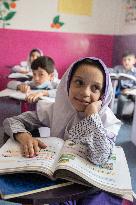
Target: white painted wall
point(38, 14)
point(123, 27)
point(107, 18)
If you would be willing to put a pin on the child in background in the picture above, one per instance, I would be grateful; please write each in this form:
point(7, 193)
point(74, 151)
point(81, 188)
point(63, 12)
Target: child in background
point(25, 67)
point(80, 113)
point(127, 67)
point(43, 71)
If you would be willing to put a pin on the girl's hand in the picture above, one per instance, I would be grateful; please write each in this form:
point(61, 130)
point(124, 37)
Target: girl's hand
point(93, 108)
point(23, 88)
point(30, 145)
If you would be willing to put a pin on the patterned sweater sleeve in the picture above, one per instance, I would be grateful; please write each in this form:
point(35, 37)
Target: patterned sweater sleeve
point(25, 122)
point(91, 132)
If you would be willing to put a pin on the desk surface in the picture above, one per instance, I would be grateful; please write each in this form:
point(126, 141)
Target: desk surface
point(71, 192)
point(61, 194)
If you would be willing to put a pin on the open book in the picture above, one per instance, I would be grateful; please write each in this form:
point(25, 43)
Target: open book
point(21, 96)
point(20, 75)
point(66, 160)
point(131, 91)
point(122, 76)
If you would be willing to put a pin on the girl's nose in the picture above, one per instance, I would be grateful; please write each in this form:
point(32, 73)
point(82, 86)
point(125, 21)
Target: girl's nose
point(85, 91)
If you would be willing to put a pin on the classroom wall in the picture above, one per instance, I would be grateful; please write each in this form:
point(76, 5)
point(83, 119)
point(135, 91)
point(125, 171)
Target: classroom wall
point(125, 36)
point(64, 48)
point(99, 33)
point(121, 44)
point(38, 15)
point(81, 35)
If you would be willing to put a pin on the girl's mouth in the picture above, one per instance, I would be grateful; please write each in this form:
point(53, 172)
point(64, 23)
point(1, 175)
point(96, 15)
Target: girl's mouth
point(83, 102)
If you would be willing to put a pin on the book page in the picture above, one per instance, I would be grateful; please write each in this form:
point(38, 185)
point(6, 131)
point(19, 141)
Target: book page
point(21, 96)
point(124, 76)
point(13, 94)
point(108, 177)
point(12, 160)
point(19, 75)
point(16, 94)
point(114, 76)
point(6, 92)
point(131, 92)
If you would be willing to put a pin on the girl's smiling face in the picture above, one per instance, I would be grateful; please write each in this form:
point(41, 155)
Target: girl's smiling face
point(86, 86)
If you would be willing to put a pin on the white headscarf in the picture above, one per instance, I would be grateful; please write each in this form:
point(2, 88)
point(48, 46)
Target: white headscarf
point(29, 56)
point(63, 111)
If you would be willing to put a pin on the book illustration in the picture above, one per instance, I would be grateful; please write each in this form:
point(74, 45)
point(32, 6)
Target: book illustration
point(12, 153)
point(71, 151)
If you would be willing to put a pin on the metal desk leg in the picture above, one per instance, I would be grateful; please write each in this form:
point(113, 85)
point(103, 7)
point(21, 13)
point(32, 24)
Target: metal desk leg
point(133, 132)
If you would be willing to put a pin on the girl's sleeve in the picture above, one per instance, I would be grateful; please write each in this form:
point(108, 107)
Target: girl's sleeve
point(25, 122)
point(99, 141)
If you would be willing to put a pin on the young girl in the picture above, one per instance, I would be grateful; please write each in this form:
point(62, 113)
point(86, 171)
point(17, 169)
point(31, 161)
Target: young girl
point(80, 113)
point(25, 67)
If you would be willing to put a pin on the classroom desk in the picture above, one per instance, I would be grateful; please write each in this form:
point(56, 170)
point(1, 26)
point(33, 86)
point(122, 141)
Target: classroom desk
point(133, 131)
point(71, 192)
point(23, 105)
point(19, 97)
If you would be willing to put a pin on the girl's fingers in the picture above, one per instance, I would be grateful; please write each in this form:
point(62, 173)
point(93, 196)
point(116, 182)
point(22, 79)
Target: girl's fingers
point(36, 147)
point(41, 144)
point(26, 151)
point(31, 149)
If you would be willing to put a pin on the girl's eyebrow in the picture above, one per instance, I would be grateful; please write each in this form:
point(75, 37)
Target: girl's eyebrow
point(78, 76)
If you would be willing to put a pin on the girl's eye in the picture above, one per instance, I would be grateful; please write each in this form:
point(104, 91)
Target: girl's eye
point(96, 88)
point(79, 82)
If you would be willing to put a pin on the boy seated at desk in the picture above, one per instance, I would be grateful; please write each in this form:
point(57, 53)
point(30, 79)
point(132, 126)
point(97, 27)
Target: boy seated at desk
point(125, 85)
point(43, 75)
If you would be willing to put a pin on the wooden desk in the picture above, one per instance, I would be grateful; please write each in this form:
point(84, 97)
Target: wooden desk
point(133, 131)
point(62, 194)
point(71, 192)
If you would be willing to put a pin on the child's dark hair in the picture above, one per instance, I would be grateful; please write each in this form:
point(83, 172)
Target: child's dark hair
point(35, 50)
point(128, 53)
point(44, 62)
point(91, 62)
